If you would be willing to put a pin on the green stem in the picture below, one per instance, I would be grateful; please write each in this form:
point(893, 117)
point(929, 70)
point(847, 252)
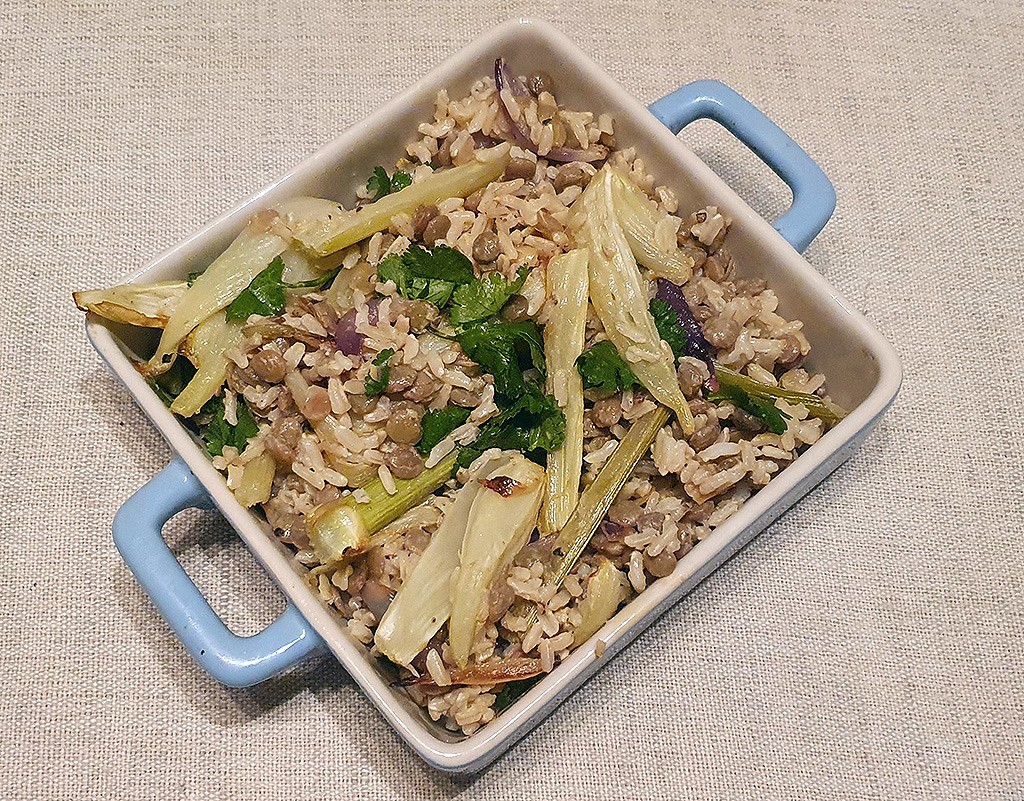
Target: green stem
point(818, 407)
point(599, 496)
point(344, 528)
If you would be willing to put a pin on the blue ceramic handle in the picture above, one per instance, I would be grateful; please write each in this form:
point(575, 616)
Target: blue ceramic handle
point(814, 198)
point(230, 659)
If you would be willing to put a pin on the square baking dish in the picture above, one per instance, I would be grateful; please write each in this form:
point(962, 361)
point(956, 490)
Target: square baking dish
point(862, 368)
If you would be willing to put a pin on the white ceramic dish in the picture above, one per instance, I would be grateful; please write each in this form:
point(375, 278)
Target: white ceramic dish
point(863, 371)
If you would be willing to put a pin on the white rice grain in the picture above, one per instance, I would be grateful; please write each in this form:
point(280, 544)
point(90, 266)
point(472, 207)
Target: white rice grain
point(636, 571)
point(230, 408)
point(437, 670)
point(293, 355)
point(547, 656)
point(719, 450)
point(387, 479)
point(439, 451)
point(533, 637)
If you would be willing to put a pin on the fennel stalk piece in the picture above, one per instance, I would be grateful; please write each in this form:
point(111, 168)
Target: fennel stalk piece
point(639, 218)
point(499, 526)
point(144, 305)
point(344, 528)
point(205, 347)
point(325, 235)
point(257, 481)
point(619, 295)
point(424, 601)
point(824, 410)
point(599, 496)
point(564, 334)
point(606, 589)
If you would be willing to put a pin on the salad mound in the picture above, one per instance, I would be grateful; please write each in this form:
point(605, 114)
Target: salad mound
point(490, 401)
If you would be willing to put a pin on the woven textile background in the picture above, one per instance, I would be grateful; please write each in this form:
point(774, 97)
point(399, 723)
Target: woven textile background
point(867, 646)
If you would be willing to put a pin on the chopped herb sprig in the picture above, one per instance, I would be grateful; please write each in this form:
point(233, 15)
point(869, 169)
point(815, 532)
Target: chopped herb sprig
point(381, 184)
point(376, 385)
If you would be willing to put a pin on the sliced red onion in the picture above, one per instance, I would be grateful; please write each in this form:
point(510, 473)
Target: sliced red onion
point(565, 154)
point(348, 340)
point(696, 344)
point(510, 79)
point(503, 78)
point(482, 140)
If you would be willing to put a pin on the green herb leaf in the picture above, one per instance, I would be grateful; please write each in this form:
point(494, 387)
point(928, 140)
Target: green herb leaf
point(376, 386)
point(483, 297)
point(400, 180)
point(169, 385)
point(192, 276)
point(438, 424)
point(667, 322)
point(313, 283)
point(219, 433)
point(602, 366)
point(763, 409)
point(422, 274)
point(380, 184)
point(503, 349)
point(532, 423)
point(512, 691)
point(264, 295)
point(166, 398)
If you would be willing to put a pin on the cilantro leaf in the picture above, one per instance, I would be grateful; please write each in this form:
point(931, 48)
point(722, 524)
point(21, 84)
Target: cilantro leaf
point(512, 691)
point(667, 322)
point(380, 184)
point(376, 386)
point(483, 297)
point(166, 398)
point(438, 424)
point(169, 385)
point(503, 349)
point(400, 180)
point(313, 283)
point(602, 366)
point(422, 274)
point(532, 423)
point(264, 295)
point(766, 411)
point(441, 262)
point(219, 433)
point(192, 276)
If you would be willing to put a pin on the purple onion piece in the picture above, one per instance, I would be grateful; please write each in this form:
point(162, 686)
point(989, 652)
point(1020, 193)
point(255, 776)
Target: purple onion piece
point(565, 154)
point(503, 78)
point(348, 340)
point(483, 140)
point(696, 344)
point(510, 79)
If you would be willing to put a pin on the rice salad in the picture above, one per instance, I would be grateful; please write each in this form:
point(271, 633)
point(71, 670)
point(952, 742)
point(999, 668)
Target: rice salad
point(489, 403)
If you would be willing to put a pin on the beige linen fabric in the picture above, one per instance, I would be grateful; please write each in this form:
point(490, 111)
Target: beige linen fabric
point(868, 646)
